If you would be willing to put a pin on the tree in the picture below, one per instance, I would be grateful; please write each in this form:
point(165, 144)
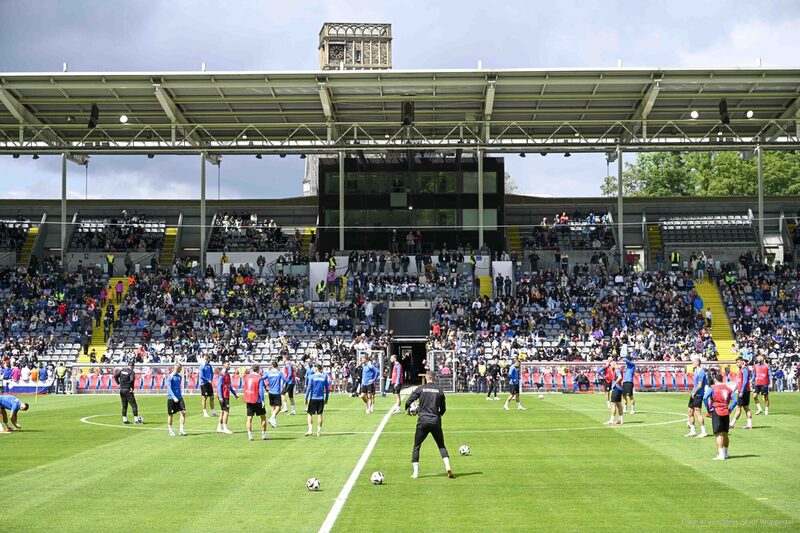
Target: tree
point(706, 174)
point(510, 185)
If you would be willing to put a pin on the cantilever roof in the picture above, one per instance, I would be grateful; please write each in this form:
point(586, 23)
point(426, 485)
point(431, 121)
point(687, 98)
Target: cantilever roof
point(315, 112)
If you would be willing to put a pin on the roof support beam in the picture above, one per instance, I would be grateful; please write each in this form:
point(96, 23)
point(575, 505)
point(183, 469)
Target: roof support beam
point(488, 107)
point(178, 119)
point(639, 117)
point(327, 109)
point(25, 117)
point(792, 113)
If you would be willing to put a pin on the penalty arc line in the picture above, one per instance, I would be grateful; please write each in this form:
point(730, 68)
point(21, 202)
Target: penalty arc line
point(333, 514)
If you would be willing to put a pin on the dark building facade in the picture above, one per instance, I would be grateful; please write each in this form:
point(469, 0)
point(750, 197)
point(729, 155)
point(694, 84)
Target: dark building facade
point(436, 196)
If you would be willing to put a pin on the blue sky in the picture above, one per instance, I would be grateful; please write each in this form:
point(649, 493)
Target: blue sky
point(112, 35)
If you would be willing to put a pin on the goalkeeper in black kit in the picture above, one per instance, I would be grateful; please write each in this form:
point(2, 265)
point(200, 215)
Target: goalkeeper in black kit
point(431, 408)
point(126, 379)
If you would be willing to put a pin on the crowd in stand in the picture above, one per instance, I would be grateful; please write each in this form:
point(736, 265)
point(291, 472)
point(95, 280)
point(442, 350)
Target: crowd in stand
point(763, 303)
point(571, 232)
point(12, 233)
point(244, 232)
point(127, 232)
point(586, 314)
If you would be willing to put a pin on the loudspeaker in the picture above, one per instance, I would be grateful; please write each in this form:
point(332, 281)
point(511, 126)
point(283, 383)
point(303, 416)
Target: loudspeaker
point(723, 112)
point(407, 113)
point(94, 114)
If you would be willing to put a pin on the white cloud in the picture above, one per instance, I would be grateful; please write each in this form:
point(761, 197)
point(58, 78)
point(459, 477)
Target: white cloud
point(774, 41)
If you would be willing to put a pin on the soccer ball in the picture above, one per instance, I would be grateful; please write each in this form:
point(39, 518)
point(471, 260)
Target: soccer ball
point(541, 396)
point(413, 409)
point(312, 484)
point(377, 478)
point(464, 450)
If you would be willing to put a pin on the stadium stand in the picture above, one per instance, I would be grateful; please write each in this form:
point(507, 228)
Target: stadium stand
point(720, 230)
point(13, 233)
point(127, 233)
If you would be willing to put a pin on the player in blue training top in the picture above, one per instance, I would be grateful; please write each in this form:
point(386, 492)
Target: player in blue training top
point(513, 385)
point(290, 378)
point(696, 399)
point(627, 386)
point(317, 393)
point(616, 394)
point(13, 404)
point(206, 385)
point(175, 400)
point(274, 379)
point(369, 374)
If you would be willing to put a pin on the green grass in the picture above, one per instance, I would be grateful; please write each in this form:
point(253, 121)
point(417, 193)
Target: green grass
point(552, 467)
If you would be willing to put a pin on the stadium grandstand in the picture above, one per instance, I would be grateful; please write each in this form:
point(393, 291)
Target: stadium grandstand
point(411, 225)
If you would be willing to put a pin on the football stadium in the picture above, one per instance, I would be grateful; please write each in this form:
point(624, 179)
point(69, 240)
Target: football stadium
point(415, 336)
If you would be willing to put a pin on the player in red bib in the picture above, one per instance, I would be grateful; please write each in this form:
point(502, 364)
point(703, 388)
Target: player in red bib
point(762, 380)
point(254, 398)
point(718, 402)
point(224, 391)
point(608, 378)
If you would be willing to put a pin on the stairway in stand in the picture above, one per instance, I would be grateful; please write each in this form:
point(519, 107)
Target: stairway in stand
point(655, 243)
point(97, 334)
point(24, 255)
point(486, 285)
point(167, 255)
point(514, 242)
point(720, 324)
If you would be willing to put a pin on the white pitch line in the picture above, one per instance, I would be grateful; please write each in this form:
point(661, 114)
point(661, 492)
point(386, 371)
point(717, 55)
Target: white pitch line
point(330, 520)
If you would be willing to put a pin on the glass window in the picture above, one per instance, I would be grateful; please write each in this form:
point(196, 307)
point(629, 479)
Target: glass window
point(445, 182)
point(470, 219)
point(424, 218)
point(332, 182)
point(398, 182)
point(424, 182)
point(332, 218)
point(400, 217)
point(489, 182)
point(446, 218)
point(354, 217)
point(353, 182)
point(377, 217)
point(471, 182)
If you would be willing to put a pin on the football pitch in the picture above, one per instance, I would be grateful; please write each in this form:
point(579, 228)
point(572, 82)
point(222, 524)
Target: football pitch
point(74, 467)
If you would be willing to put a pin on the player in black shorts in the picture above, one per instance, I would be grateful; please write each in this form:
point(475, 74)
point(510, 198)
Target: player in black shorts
point(126, 379)
point(431, 408)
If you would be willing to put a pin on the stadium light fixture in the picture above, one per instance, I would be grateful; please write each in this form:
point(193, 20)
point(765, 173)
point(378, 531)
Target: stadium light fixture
point(522, 154)
point(258, 156)
point(70, 119)
point(15, 156)
point(123, 119)
point(694, 114)
point(302, 156)
point(567, 154)
point(543, 154)
point(35, 157)
point(724, 117)
point(411, 208)
point(749, 113)
point(282, 156)
point(150, 156)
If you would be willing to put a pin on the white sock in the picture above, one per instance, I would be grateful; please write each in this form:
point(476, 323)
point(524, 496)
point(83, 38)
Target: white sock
point(446, 463)
point(249, 434)
point(519, 404)
point(310, 428)
point(633, 409)
point(749, 422)
point(766, 410)
point(169, 427)
point(124, 418)
point(733, 422)
point(721, 452)
point(611, 420)
point(205, 413)
point(620, 419)
point(225, 427)
point(181, 428)
point(319, 430)
point(219, 427)
point(725, 452)
point(624, 409)
point(416, 469)
point(703, 430)
point(692, 430)
point(263, 434)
